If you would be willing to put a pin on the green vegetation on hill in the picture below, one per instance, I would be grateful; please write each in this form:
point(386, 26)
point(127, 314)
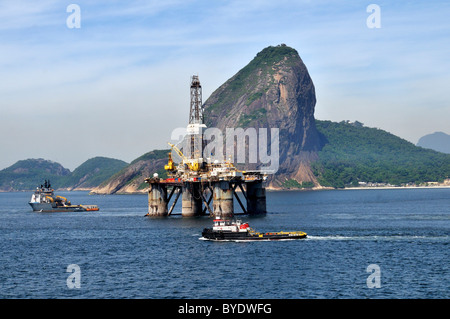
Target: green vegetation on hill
point(137, 170)
point(355, 154)
point(152, 155)
point(30, 173)
point(273, 54)
point(245, 80)
point(93, 172)
point(292, 183)
point(245, 119)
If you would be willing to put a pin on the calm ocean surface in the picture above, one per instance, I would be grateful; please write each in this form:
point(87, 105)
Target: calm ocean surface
point(122, 254)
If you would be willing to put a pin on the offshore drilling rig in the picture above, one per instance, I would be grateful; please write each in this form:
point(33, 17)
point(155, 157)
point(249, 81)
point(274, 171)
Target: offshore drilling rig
point(200, 180)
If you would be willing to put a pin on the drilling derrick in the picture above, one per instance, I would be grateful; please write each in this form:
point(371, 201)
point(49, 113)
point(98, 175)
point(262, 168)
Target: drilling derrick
point(196, 125)
point(196, 112)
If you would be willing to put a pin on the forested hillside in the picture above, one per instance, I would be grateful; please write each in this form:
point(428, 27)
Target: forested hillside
point(92, 173)
point(27, 174)
point(354, 153)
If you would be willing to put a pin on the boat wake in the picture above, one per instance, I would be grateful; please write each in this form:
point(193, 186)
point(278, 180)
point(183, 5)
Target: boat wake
point(349, 238)
point(377, 238)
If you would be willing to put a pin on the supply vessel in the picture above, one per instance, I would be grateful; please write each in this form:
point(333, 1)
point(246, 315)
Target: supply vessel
point(229, 230)
point(45, 200)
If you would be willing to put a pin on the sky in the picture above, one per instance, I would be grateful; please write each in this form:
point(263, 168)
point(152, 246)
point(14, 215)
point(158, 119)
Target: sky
point(117, 84)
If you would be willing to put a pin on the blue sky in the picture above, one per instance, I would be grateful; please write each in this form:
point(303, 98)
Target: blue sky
point(119, 85)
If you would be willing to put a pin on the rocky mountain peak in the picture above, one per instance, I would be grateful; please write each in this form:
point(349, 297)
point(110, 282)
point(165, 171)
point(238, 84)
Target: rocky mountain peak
point(274, 90)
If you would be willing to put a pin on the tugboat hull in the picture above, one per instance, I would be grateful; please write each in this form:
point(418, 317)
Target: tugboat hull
point(209, 234)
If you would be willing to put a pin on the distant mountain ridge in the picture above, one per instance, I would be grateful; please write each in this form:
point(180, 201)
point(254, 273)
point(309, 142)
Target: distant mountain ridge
point(28, 174)
point(438, 141)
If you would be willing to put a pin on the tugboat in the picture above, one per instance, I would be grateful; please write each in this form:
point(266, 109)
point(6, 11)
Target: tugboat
point(228, 230)
point(44, 200)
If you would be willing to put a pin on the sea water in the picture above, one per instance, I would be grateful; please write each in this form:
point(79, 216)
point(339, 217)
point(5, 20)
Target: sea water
point(384, 243)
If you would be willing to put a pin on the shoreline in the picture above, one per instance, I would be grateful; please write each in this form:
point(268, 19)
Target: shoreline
point(396, 187)
point(353, 188)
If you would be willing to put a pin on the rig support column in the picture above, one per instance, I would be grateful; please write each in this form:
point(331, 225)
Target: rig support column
point(256, 198)
point(223, 200)
point(157, 200)
point(191, 200)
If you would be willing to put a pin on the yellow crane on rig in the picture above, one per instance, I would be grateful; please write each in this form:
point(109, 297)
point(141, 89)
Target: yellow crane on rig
point(193, 166)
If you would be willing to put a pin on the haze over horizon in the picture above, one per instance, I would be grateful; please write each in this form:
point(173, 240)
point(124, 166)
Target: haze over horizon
point(118, 85)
